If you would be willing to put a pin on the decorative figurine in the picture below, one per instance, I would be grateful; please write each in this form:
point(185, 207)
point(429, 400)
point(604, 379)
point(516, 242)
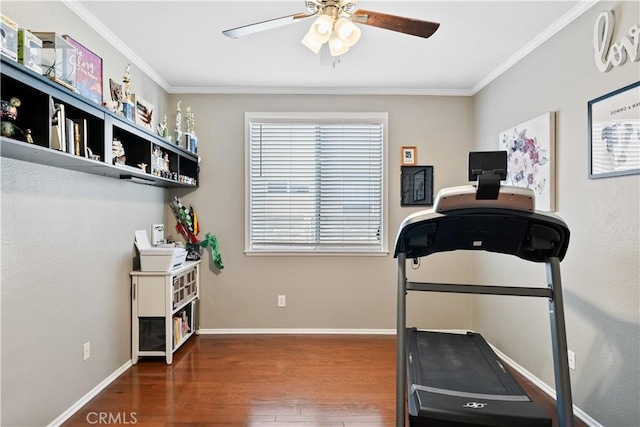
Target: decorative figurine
point(9, 116)
point(177, 132)
point(189, 120)
point(143, 166)
point(117, 152)
point(28, 137)
point(126, 79)
point(116, 96)
point(127, 105)
point(162, 127)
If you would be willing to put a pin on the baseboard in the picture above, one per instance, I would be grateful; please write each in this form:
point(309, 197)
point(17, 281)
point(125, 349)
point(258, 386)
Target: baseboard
point(87, 397)
point(295, 331)
point(544, 387)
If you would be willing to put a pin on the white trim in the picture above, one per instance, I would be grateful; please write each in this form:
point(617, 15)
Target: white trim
point(294, 331)
point(113, 40)
point(100, 28)
point(318, 91)
point(87, 397)
point(549, 32)
point(324, 117)
point(544, 387)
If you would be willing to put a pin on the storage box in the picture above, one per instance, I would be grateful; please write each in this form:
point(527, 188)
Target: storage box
point(29, 50)
point(9, 31)
point(58, 57)
point(161, 259)
point(154, 258)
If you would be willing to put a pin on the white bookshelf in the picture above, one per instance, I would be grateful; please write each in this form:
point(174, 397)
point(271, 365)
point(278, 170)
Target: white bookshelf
point(163, 310)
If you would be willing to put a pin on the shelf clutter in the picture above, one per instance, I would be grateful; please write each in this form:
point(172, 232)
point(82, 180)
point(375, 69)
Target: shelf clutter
point(53, 113)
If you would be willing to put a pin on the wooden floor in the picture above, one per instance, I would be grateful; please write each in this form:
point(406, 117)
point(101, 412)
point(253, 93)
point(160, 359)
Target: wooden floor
point(261, 381)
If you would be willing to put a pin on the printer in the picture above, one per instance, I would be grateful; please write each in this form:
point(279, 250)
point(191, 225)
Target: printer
point(158, 258)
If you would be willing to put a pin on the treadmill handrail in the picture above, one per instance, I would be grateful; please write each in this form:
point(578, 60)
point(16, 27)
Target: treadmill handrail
point(480, 289)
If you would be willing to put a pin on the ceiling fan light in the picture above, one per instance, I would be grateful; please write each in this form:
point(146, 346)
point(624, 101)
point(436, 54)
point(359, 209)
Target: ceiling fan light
point(337, 46)
point(321, 28)
point(347, 31)
point(311, 42)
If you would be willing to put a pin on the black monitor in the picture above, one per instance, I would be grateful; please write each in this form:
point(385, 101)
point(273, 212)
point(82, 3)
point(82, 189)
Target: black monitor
point(488, 168)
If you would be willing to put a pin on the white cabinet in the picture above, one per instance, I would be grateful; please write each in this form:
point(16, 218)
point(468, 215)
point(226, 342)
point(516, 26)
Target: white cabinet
point(163, 310)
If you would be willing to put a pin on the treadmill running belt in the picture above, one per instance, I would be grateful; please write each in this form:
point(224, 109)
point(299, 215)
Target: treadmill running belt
point(457, 380)
point(463, 363)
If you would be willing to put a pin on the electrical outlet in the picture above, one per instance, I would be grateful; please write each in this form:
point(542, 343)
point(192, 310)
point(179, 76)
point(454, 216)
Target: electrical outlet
point(86, 351)
point(282, 301)
point(572, 360)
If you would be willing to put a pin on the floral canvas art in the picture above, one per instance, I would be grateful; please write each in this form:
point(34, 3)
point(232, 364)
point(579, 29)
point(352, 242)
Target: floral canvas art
point(530, 148)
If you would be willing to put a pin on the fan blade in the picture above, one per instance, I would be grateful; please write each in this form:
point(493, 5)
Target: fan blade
point(264, 25)
point(414, 27)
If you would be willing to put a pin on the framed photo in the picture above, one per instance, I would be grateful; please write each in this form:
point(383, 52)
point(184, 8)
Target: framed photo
point(88, 69)
point(144, 113)
point(530, 148)
point(416, 186)
point(614, 133)
point(409, 156)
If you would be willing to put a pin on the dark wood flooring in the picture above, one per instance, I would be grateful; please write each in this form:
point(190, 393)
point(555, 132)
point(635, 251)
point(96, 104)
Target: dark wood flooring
point(262, 381)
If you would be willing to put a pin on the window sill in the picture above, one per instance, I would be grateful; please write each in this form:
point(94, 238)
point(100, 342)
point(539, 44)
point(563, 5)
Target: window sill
point(316, 253)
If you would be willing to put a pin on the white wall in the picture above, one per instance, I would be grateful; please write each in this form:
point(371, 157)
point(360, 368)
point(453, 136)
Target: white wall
point(601, 272)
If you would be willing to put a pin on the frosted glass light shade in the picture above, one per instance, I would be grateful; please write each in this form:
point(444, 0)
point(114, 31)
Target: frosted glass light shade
point(321, 28)
point(337, 46)
point(319, 33)
point(311, 42)
point(347, 31)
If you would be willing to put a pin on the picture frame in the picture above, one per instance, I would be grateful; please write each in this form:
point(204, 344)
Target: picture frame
point(531, 148)
point(88, 70)
point(614, 133)
point(416, 185)
point(409, 156)
point(144, 113)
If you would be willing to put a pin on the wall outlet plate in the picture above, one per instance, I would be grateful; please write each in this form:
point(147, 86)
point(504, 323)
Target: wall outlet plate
point(86, 351)
point(282, 301)
point(572, 360)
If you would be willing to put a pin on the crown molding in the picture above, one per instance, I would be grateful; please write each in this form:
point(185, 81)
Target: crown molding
point(549, 32)
point(118, 44)
point(317, 91)
point(111, 38)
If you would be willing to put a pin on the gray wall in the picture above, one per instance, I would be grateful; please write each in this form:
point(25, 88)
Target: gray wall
point(67, 250)
point(601, 273)
point(65, 271)
point(322, 291)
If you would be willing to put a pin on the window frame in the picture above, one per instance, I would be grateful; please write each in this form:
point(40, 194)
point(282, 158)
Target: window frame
point(318, 117)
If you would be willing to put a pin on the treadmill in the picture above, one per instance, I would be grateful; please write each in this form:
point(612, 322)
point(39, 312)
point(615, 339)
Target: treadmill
point(456, 379)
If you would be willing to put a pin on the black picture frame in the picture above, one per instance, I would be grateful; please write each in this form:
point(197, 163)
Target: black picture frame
point(416, 186)
point(614, 133)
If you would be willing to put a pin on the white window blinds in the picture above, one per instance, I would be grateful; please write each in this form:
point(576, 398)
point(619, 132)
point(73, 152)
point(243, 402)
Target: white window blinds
point(315, 186)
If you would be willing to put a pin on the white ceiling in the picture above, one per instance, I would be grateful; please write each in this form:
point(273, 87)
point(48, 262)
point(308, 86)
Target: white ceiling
point(180, 45)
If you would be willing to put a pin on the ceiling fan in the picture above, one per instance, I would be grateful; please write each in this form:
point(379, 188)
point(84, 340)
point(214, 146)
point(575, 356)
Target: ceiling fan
point(335, 25)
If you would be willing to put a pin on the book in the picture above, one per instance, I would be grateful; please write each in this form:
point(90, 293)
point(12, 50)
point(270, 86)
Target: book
point(69, 138)
point(56, 137)
point(80, 137)
point(58, 133)
point(76, 138)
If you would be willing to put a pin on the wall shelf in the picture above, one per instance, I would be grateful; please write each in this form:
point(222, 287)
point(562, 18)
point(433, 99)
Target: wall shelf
point(37, 93)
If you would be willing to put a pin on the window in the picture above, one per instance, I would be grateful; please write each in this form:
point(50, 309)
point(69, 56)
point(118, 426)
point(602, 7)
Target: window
point(315, 183)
